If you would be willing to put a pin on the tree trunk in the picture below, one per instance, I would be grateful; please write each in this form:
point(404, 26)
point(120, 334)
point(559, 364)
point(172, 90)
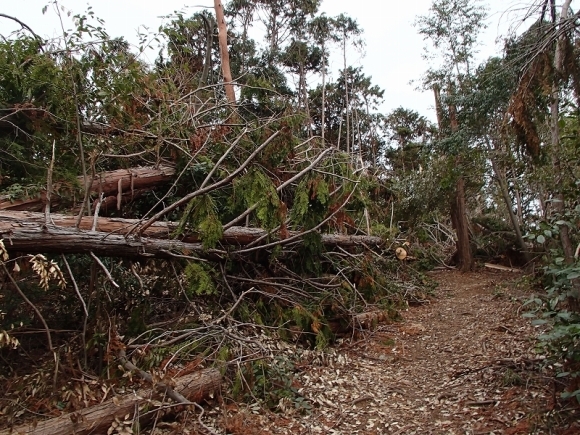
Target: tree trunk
point(458, 208)
point(346, 94)
point(558, 201)
point(97, 419)
point(438, 108)
point(130, 181)
point(224, 53)
point(502, 183)
point(27, 232)
point(461, 226)
point(323, 108)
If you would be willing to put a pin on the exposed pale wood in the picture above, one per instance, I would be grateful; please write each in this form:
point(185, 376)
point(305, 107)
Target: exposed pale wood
point(131, 181)
point(97, 419)
point(369, 319)
point(27, 232)
point(504, 268)
point(401, 253)
point(224, 53)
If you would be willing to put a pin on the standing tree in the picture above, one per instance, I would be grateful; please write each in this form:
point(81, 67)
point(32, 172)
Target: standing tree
point(452, 27)
point(224, 53)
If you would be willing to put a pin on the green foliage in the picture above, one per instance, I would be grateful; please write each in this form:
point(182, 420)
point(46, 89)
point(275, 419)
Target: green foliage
point(309, 254)
point(311, 201)
point(559, 308)
point(452, 27)
point(199, 279)
point(255, 188)
point(136, 324)
point(201, 215)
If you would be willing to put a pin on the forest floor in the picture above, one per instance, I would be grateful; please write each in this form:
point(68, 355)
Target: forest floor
point(464, 363)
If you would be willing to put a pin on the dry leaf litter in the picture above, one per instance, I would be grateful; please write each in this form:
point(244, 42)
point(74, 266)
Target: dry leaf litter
point(460, 364)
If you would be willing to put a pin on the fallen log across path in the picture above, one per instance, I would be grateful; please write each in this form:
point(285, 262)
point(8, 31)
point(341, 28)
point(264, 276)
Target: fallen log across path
point(27, 232)
point(97, 419)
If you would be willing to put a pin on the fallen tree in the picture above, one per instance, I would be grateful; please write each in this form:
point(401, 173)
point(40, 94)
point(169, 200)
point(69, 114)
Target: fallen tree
point(116, 186)
point(97, 419)
point(28, 232)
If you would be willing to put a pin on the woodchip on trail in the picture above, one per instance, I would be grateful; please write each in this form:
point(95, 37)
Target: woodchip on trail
point(462, 364)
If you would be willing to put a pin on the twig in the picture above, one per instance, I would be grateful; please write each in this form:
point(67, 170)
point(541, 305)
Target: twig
point(37, 311)
point(208, 429)
point(21, 293)
point(76, 287)
point(161, 387)
point(283, 185)
point(38, 38)
point(481, 403)
point(219, 319)
point(104, 268)
point(223, 157)
point(299, 235)
point(49, 185)
point(207, 189)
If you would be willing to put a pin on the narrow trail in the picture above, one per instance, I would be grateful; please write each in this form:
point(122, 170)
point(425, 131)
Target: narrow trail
point(461, 364)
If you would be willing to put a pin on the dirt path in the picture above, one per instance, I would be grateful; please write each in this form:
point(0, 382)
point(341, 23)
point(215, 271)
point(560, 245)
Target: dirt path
point(462, 364)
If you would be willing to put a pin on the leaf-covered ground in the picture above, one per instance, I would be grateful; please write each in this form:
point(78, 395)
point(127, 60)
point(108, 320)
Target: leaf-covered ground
point(462, 364)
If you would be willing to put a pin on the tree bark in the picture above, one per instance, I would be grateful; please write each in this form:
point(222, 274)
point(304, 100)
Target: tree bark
point(458, 208)
point(131, 181)
point(460, 223)
point(558, 201)
point(27, 232)
point(438, 107)
point(97, 419)
point(502, 183)
point(224, 53)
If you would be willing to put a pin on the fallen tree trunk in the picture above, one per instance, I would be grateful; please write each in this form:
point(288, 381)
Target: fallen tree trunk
point(33, 238)
point(125, 182)
point(27, 230)
point(97, 419)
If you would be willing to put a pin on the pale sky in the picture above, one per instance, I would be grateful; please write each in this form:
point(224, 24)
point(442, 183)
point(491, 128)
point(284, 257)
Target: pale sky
point(393, 47)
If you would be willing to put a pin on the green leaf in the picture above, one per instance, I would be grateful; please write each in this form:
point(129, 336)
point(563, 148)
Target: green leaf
point(539, 322)
point(564, 315)
point(540, 239)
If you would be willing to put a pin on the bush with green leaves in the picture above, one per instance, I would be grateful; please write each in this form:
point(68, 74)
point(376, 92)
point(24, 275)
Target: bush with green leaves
point(558, 309)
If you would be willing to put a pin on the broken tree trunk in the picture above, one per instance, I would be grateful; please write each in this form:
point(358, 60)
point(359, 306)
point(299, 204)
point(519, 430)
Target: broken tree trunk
point(97, 419)
point(125, 182)
point(224, 53)
point(27, 232)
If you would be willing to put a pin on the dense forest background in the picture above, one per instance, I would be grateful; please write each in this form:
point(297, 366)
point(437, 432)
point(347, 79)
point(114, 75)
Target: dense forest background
point(171, 211)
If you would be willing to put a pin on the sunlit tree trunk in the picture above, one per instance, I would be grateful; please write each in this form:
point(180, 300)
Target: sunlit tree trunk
point(224, 53)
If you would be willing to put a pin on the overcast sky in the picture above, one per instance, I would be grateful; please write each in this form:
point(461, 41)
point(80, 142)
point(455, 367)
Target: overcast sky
point(392, 54)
